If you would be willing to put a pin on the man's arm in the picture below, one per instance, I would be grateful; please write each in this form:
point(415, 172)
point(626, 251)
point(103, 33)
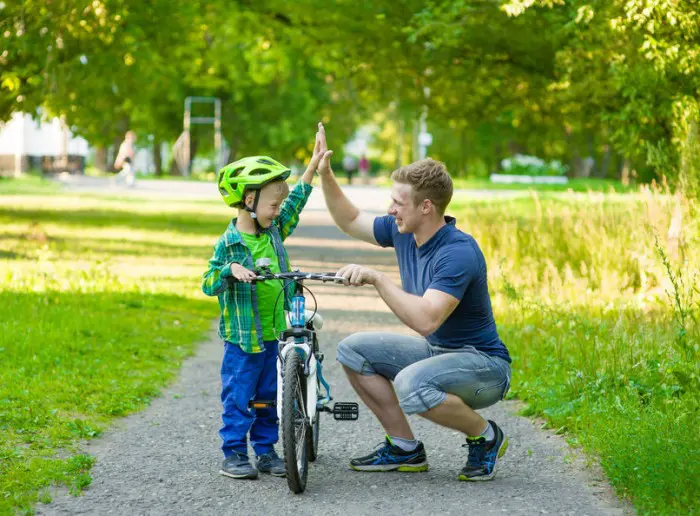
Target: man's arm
point(422, 314)
point(345, 214)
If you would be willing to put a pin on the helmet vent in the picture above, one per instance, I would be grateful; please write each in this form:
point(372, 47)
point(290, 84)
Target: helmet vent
point(258, 172)
point(266, 161)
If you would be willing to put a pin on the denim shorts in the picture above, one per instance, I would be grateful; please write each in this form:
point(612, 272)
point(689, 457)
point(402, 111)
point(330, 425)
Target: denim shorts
point(424, 374)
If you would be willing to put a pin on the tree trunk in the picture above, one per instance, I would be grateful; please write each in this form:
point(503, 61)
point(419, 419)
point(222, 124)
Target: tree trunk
point(605, 162)
point(101, 159)
point(462, 166)
point(498, 157)
point(117, 142)
point(157, 157)
point(592, 161)
point(625, 172)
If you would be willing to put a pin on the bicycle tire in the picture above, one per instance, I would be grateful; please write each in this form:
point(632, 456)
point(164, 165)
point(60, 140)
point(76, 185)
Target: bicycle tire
point(294, 420)
point(312, 437)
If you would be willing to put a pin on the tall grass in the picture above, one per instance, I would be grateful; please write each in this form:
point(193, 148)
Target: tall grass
point(597, 298)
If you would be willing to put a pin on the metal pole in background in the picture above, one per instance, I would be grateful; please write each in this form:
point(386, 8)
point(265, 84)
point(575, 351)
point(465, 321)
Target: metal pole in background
point(186, 150)
point(217, 132)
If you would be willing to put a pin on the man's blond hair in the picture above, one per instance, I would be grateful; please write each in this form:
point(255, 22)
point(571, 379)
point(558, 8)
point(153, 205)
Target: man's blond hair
point(429, 179)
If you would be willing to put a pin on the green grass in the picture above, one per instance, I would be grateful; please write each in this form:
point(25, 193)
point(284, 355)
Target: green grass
point(27, 184)
point(602, 323)
point(99, 305)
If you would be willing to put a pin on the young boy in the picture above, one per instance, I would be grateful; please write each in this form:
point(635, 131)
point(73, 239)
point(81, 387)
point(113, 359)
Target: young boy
point(248, 326)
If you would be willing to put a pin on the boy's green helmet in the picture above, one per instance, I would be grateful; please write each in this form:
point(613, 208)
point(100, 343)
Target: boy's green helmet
point(251, 173)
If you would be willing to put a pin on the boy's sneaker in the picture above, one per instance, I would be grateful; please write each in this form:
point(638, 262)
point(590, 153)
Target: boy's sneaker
point(238, 466)
point(483, 456)
point(388, 457)
point(271, 463)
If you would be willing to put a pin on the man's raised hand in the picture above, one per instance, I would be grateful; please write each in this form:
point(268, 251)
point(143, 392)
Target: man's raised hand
point(325, 165)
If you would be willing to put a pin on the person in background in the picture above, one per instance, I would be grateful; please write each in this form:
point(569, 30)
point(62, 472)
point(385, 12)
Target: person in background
point(364, 169)
point(349, 166)
point(125, 158)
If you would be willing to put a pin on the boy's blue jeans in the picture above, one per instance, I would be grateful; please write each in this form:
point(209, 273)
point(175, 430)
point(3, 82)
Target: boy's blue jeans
point(245, 377)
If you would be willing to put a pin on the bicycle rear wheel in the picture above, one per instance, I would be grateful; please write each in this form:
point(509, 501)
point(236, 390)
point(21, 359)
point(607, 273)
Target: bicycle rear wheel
point(295, 423)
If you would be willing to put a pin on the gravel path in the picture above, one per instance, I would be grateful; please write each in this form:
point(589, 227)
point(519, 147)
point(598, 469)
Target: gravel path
point(165, 459)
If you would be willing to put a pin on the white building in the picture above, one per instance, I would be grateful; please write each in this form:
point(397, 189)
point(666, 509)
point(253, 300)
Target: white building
point(46, 145)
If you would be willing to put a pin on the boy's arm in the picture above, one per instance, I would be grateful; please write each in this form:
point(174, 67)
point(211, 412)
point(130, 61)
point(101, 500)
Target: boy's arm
point(291, 208)
point(214, 280)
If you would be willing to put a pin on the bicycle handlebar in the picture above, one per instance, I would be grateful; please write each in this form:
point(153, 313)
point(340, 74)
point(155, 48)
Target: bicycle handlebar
point(324, 277)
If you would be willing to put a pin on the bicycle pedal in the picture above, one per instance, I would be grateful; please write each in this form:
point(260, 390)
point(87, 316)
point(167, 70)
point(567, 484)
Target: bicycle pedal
point(346, 411)
point(261, 404)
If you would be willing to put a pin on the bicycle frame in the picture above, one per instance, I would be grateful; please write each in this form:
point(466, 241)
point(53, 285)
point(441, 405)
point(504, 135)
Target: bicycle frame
point(302, 340)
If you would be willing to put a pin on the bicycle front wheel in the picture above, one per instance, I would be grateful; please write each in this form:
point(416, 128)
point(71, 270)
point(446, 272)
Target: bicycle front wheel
point(295, 423)
point(312, 437)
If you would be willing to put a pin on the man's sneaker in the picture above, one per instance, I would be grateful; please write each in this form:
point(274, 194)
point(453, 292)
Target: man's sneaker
point(271, 463)
point(483, 456)
point(388, 457)
point(238, 466)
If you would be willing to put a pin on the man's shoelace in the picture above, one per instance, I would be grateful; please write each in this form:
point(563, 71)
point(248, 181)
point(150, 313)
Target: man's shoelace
point(477, 450)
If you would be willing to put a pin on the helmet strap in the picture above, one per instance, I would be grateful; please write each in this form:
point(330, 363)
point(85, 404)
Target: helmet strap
point(253, 215)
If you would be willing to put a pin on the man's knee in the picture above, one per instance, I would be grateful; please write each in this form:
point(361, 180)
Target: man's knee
point(416, 395)
point(350, 354)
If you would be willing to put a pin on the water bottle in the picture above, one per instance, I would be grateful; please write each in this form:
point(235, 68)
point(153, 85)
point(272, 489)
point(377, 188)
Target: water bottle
point(297, 314)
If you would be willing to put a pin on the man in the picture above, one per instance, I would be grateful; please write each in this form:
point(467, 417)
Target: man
point(125, 158)
point(459, 363)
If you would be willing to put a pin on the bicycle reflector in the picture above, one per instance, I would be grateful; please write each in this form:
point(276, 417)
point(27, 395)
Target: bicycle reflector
point(260, 404)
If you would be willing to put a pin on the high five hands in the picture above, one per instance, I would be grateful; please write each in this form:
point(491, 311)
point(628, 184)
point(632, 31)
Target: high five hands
point(321, 158)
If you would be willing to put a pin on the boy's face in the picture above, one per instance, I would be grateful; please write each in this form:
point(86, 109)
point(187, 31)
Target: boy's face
point(270, 202)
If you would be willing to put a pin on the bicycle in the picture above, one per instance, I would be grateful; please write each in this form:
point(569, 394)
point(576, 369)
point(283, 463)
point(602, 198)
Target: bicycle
point(301, 385)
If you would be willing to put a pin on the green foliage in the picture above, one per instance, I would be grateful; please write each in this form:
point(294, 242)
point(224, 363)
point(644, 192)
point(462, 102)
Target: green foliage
point(616, 81)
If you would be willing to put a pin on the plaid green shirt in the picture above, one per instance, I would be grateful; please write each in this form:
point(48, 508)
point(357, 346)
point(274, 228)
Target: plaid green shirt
point(240, 318)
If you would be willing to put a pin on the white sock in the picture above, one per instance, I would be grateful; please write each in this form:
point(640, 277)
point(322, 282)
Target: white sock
point(489, 434)
point(404, 444)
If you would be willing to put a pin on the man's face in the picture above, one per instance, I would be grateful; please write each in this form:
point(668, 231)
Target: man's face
point(408, 215)
point(271, 197)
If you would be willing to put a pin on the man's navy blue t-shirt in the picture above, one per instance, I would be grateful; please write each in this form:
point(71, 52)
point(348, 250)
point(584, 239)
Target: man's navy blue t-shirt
point(450, 262)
